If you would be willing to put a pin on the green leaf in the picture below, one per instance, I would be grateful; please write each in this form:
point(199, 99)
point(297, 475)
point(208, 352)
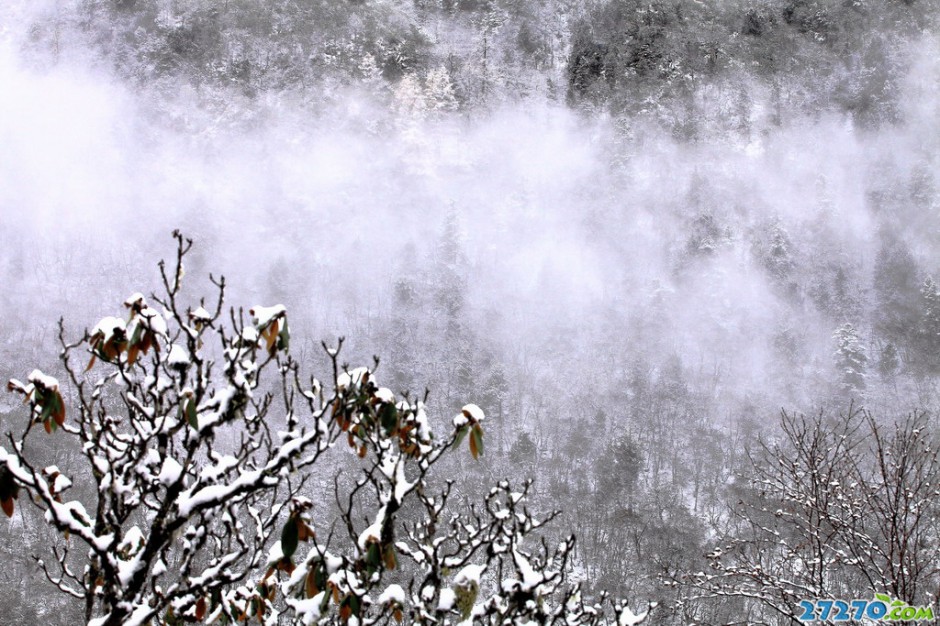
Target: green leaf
point(138, 329)
point(373, 558)
point(191, 416)
point(461, 433)
point(46, 410)
point(290, 536)
point(389, 417)
point(883, 598)
point(58, 408)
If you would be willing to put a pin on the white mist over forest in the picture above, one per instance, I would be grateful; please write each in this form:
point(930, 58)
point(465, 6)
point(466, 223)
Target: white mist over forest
point(566, 221)
point(556, 246)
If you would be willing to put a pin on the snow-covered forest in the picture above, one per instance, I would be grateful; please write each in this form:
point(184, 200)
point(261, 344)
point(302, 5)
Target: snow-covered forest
point(683, 255)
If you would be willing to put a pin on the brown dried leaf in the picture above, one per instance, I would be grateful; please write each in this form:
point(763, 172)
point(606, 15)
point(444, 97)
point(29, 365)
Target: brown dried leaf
point(473, 448)
point(311, 584)
point(270, 333)
point(59, 413)
point(132, 354)
point(201, 609)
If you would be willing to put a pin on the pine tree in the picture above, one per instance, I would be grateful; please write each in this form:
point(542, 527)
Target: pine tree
point(618, 470)
point(439, 91)
point(928, 331)
point(851, 360)
point(889, 362)
point(896, 292)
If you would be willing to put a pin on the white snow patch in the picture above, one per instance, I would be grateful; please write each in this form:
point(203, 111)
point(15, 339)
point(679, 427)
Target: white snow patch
point(308, 610)
point(469, 574)
point(262, 316)
point(134, 298)
point(153, 321)
point(394, 593)
point(178, 356)
point(352, 378)
point(108, 326)
point(42, 380)
point(384, 394)
point(200, 314)
point(276, 553)
point(222, 465)
point(629, 618)
point(473, 412)
point(373, 532)
point(133, 541)
point(530, 578)
point(170, 472)
point(159, 568)
point(447, 600)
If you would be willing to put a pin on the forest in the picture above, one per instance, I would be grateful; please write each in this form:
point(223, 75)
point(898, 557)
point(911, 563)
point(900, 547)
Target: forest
point(683, 255)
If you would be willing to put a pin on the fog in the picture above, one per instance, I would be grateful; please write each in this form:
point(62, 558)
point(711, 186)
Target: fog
point(592, 253)
point(566, 221)
point(631, 236)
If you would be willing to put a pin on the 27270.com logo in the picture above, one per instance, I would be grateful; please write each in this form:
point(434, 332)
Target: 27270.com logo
point(882, 609)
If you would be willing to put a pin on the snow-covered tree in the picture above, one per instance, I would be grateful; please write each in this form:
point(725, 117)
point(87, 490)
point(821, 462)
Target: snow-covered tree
point(618, 470)
point(837, 507)
point(775, 252)
point(410, 98)
point(523, 451)
point(929, 330)
point(198, 497)
point(895, 290)
point(439, 91)
point(851, 360)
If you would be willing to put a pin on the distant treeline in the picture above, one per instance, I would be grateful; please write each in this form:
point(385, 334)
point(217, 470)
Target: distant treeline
point(675, 61)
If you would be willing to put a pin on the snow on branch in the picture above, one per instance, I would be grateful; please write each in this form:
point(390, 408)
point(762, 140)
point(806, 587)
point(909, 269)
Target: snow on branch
point(195, 500)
